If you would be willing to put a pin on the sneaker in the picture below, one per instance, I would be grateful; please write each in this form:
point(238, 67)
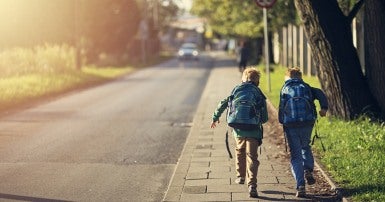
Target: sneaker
point(301, 192)
point(309, 177)
point(240, 180)
point(253, 191)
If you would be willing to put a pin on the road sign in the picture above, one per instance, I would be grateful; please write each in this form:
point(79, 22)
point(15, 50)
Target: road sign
point(265, 3)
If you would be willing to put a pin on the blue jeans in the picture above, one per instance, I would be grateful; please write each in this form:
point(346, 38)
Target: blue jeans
point(301, 156)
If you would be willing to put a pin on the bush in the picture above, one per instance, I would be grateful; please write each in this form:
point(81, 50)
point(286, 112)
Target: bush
point(29, 74)
point(45, 59)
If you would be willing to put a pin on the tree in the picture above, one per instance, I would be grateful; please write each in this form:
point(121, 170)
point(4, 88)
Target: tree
point(330, 37)
point(230, 18)
point(167, 12)
point(243, 18)
point(105, 26)
point(28, 23)
point(374, 50)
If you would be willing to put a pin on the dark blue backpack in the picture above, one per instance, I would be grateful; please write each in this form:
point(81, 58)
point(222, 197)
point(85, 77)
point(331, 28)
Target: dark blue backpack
point(245, 104)
point(298, 107)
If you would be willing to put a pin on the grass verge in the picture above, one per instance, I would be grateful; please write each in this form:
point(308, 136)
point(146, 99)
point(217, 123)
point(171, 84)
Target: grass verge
point(34, 74)
point(28, 88)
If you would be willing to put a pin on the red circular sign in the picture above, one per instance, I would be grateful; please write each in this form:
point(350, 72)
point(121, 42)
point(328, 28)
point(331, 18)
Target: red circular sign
point(265, 3)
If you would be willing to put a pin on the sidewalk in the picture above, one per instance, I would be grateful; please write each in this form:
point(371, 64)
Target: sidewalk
point(206, 173)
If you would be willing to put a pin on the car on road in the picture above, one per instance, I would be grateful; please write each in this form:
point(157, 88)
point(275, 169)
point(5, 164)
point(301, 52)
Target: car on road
point(188, 51)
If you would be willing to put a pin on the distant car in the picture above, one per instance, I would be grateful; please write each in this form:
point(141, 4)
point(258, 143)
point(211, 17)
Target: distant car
point(188, 51)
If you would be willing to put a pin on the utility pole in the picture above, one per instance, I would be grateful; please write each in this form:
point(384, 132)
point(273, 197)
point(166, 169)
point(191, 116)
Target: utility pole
point(267, 58)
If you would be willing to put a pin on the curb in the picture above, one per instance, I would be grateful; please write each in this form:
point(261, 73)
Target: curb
point(332, 183)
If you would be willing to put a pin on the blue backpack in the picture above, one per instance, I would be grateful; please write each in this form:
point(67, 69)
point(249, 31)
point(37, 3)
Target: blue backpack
point(298, 105)
point(244, 107)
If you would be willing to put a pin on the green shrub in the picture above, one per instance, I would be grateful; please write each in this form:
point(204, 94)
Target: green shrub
point(45, 59)
point(27, 74)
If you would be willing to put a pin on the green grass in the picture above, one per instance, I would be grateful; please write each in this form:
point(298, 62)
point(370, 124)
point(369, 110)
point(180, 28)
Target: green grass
point(354, 149)
point(24, 88)
point(355, 156)
point(30, 74)
point(107, 72)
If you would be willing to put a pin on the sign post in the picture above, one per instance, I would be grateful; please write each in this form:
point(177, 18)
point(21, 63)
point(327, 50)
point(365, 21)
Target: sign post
point(267, 58)
point(265, 4)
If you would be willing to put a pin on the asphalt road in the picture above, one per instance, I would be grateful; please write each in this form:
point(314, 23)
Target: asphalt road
point(116, 142)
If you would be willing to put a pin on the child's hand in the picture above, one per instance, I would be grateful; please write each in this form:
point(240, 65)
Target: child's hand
point(214, 124)
point(322, 112)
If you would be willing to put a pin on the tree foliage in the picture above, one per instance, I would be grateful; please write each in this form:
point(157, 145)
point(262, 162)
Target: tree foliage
point(346, 5)
point(243, 18)
point(106, 26)
point(31, 22)
point(101, 26)
point(95, 27)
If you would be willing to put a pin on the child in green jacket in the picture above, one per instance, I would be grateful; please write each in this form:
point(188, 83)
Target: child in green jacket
point(247, 141)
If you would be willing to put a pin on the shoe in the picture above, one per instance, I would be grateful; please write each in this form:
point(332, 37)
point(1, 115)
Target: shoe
point(240, 180)
point(309, 177)
point(253, 191)
point(301, 192)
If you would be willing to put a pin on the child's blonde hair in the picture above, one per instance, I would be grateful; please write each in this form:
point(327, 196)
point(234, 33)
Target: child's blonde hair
point(294, 72)
point(251, 74)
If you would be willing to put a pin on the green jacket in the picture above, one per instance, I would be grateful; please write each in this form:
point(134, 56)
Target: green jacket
point(258, 133)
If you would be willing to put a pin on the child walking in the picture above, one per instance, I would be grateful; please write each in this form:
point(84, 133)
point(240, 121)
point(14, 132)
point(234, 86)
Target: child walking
point(248, 134)
point(297, 113)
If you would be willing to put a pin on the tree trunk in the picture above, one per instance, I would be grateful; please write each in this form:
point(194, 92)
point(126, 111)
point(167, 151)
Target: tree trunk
point(339, 71)
point(374, 22)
